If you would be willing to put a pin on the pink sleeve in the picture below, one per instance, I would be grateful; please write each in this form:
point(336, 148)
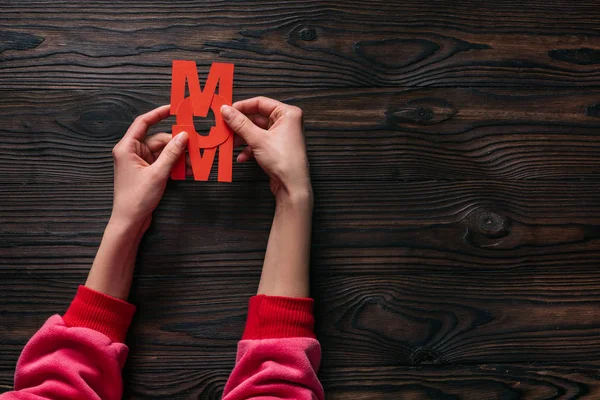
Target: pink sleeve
point(278, 356)
point(79, 355)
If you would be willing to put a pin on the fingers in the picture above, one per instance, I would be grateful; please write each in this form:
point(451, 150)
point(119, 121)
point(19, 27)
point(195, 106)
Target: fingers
point(238, 141)
point(157, 142)
point(139, 127)
point(245, 155)
point(170, 154)
point(259, 120)
point(258, 105)
point(241, 125)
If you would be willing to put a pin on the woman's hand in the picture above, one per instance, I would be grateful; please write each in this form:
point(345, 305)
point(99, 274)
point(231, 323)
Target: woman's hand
point(142, 167)
point(275, 137)
point(274, 134)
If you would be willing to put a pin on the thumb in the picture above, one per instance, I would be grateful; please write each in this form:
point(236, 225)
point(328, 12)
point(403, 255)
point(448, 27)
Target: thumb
point(170, 154)
point(241, 125)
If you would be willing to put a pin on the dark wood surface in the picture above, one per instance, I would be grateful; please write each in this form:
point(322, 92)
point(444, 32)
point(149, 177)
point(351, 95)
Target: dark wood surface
point(456, 163)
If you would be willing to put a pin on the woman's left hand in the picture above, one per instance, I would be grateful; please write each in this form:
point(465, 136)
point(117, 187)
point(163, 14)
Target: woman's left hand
point(142, 167)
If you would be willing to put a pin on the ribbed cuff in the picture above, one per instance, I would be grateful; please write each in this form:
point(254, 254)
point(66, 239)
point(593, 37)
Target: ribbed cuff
point(100, 312)
point(272, 317)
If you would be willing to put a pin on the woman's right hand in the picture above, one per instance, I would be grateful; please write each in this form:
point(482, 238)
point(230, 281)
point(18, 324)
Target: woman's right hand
point(274, 134)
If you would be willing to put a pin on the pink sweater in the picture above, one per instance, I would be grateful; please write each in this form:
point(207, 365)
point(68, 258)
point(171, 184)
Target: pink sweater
point(80, 355)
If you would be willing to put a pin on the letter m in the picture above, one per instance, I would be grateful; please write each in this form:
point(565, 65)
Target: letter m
point(197, 104)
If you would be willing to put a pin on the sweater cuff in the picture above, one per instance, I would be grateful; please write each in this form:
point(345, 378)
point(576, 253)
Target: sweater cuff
point(274, 317)
point(100, 312)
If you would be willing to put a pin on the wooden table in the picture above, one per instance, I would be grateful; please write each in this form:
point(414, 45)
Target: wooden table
point(455, 153)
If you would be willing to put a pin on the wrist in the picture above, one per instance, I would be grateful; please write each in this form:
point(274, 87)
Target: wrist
point(128, 226)
point(112, 270)
point(301, 197)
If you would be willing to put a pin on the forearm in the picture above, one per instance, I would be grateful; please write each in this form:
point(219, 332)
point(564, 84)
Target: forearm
point(112, 270)
point(279, 355)
point(287, 259)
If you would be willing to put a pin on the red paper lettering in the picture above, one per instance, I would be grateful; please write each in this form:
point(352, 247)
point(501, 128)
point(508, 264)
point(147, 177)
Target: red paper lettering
point(197, 104)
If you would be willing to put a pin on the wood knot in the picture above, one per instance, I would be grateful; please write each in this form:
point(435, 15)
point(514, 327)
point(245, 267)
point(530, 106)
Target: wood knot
point(395, 53)
point(104, 121)
point(18, 41)
point(423, 355)
point(490, 224)
point(308, 34)
point(422, 111)
point(423, 115)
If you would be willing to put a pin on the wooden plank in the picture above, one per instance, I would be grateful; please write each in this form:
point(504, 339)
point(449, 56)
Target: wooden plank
point(534, 312)
point(314, 44)
point(476, 382)
point(368, 227)
point(563, 381)
point(458, 317)
point(456, 230)
point(353, 134)
point(471, 382)
point(472, 225)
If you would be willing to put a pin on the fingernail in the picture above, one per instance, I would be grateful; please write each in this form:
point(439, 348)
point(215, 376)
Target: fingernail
point(226, 111)
point(181, 139)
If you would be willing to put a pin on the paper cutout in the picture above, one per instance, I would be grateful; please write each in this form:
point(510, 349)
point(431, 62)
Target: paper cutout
point(197, 104)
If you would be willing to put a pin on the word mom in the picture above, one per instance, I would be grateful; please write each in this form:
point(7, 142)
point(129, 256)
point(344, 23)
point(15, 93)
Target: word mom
point(197, 104)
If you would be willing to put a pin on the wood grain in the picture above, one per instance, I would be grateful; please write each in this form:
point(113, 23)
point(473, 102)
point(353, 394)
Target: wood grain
point(359, 228)
point(442, 273)
point(314, 44)
point(443, 318)
point(456, 166)
point(390, 135)
point(477, 382)
point(455, 318)
point(471, 382)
